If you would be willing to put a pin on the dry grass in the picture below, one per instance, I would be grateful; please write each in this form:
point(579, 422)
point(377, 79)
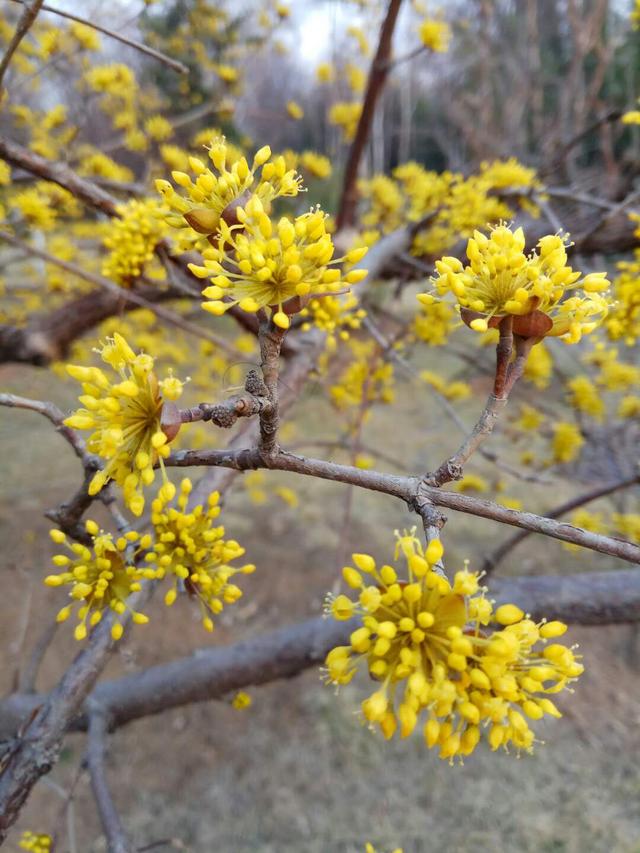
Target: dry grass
point(297, 772)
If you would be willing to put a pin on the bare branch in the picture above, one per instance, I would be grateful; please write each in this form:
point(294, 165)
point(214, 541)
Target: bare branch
point(60, 174)
point(142, 48)
point(491, 562)
point(28, 16)
point(409, 489)
point(56, 416)
point(117, 840)
point(375, 84)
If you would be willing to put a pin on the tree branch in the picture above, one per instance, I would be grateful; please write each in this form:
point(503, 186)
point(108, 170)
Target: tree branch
point(27, 18)
point(492, 560)
point(117, 840)
point(375, 84)
point(409, 489)
point(139, 46)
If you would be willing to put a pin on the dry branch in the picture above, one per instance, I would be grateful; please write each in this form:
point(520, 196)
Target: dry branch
point(491, 562)
point(375, 84)
point(96, 747)
point(27, 18)
point(410, 489)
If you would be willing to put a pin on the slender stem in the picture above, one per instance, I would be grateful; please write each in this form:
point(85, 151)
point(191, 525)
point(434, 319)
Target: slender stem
point(127, 293)
point(375, 84)
point(492, 561)
point(109, 817)
point(139, 46)
point(27, 18)
point(270, 338)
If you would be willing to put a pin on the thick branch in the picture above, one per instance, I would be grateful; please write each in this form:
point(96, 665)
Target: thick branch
point(60, 174)
point(38, 748)
point(596, 598)
point(375, 84)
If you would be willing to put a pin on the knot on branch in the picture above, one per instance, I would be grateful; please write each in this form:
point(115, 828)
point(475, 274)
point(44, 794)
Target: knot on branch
point(254, 384)
point(449, 471)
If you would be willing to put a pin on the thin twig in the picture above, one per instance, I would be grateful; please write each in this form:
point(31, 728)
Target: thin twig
point(117, 840)
point(180, 67)
point(27, 18)
point(162, 313)
point(492, 560)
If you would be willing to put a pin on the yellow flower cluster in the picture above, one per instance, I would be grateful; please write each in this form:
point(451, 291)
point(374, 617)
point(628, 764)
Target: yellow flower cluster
point(566, 442)
point(455, 205)
point(367, 379)
point(335, 315)
point(346, 115)
point(623, 322)
point(315, 164)
point(325, 72)
point(539, 367)
point(211, 193)
point(441, 649)
point(294, 110)
point(260, 264)
point(585, 397)
point(191, 551)
point(435, 35)
point(124, 419)
point(456, 390)
point(502, 280)
point(433, 323)
point(100, 578)
point(36, 842)
point(131, 240)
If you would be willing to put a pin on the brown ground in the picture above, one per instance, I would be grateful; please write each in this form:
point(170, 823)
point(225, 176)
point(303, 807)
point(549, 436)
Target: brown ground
point(297, 772)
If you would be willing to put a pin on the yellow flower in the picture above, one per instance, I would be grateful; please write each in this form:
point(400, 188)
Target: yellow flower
point(325, 73)
point(316, 164)
point(158, 128)
point(190, 550)
point(627, 524)
point(437, 648)
point(346, 115)
point(471, 483)
point(566, 442)
point(260, 264)
point(101, 577)
point(36, 842)
point(435, 35)
point(585, 397)
point(294, 110)
point(124, 417)
point(530, 419)
point(241, 701)
point(501, 280)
